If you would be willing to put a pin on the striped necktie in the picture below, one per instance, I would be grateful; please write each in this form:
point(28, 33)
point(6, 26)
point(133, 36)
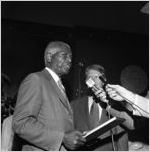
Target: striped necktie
point(61, 87)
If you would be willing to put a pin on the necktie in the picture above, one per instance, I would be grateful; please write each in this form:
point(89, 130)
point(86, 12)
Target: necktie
point(94, 115)
point(61, 87)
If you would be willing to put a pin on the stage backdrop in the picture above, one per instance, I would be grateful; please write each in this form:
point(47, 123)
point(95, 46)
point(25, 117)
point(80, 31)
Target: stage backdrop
point(23, 47)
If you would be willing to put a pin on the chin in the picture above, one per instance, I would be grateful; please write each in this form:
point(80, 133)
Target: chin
point(66, 72)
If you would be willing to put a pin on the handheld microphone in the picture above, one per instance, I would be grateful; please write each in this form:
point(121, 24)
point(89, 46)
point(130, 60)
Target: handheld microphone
point(91, 84)
point(104, 82)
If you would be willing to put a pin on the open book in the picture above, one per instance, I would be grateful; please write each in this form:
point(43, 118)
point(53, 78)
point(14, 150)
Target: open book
point(101, 129)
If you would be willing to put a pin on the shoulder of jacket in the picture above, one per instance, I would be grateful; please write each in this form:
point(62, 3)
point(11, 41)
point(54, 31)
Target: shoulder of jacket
point(36, 76)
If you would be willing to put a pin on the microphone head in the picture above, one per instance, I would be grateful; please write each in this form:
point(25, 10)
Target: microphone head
point(90, 83)
point(103, 79)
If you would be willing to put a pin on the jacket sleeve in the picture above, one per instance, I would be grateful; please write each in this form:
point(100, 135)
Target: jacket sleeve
point(25, 119)
point(128, 123)
point(7, 134)
point(143, 103)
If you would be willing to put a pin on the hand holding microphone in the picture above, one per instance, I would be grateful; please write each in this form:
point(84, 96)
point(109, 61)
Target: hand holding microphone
point(98, 91)
point(120, 93)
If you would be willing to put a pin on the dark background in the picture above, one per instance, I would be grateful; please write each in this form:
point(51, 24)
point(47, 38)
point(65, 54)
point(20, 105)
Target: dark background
point(113, 34)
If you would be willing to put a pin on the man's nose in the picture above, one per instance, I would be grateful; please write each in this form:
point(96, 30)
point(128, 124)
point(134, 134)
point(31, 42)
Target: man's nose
point(69, 60)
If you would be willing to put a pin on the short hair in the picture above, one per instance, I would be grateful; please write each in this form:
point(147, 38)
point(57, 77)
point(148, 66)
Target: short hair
point(54, 47)
point(96, 67)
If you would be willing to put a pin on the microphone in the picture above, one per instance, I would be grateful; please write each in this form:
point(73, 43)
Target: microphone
point(104, 82)
point(91, 84)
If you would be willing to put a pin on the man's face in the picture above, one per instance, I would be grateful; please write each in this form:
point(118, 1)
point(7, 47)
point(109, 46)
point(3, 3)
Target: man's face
point(95, 77)
point(61, 62)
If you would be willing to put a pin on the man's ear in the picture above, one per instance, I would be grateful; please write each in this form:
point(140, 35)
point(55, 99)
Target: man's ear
point(49, 57)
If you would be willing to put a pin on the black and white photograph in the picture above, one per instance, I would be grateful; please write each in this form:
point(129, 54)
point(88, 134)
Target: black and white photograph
point(75, 75)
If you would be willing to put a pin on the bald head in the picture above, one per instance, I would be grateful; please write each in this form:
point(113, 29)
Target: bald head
point(53, 48)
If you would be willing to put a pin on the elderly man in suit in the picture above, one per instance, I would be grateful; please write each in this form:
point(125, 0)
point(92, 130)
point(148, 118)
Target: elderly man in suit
point(89, 112)
point(43, 116)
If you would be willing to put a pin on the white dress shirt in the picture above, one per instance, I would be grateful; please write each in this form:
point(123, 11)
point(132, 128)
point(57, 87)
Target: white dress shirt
point(90, 102)
point(57, 80)
point(53, 74)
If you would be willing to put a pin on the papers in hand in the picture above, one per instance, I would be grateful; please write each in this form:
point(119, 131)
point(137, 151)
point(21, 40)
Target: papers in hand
point(101, 129)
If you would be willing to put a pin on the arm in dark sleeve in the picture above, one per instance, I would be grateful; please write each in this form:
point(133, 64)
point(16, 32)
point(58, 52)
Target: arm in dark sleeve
point(25, 119)
point(128, 123)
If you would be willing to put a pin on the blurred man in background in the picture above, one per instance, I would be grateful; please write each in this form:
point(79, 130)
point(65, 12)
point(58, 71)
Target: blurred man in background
point(90, 111)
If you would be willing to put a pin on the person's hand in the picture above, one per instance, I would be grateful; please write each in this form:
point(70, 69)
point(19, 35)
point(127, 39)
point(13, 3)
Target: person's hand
point(101, 94)
point(119, 93)
point(112, 91)
point(73, 140)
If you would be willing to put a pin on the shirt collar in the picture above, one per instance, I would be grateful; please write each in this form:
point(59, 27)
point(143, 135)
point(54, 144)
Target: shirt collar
point(90, 102)
point(53, 74)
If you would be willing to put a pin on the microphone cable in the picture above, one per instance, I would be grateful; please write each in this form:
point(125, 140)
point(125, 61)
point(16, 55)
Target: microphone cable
point(111, 131)
point(104, 80)
point(133, 104)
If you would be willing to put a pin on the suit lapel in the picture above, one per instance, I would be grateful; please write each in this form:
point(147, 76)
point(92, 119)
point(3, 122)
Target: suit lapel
point(63, 99)
point(82, 113)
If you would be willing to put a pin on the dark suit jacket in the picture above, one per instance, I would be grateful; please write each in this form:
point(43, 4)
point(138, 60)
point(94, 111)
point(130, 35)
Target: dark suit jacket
point(42, 114)
point(104, 143)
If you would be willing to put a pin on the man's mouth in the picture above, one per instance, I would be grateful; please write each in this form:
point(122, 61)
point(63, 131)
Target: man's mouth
point(66, 67)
